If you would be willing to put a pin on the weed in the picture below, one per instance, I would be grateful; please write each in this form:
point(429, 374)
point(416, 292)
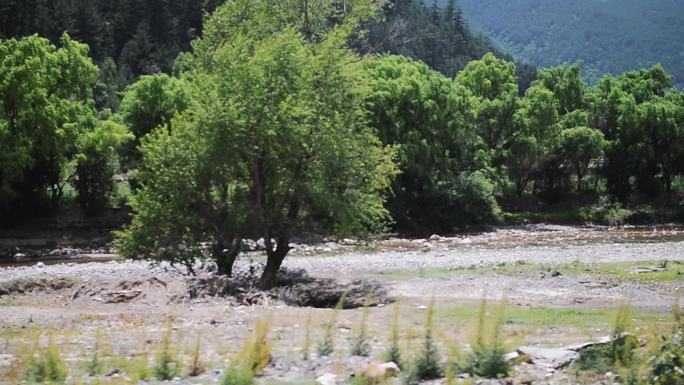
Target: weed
point(394, 352)
point(361, 342)
point(95, 366)
point(327, 345)
point(488, 356)
point(426, 365)
point(139, 368)
point(196, 366)
point(668, 364)
point(167, 365)
point(307, 338)
point(256, 353)
point(236, 375)
point(45, 365)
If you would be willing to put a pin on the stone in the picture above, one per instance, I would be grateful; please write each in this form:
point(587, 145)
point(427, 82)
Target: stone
point(249, 245)
point(327, 379)
point(435, 238)
point(40, 264)
point(376, 373)
point(549, 357)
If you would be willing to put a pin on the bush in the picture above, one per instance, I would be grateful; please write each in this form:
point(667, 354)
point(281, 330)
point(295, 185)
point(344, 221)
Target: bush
point(361, 342)
point(488, 356)
point(427, 365)
point(238, 376)
point(668, 364)
point(45, 365)
point(167, 365)
point(393, 354)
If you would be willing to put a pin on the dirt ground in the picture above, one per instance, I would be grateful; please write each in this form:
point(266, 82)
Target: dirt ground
point(561, 284)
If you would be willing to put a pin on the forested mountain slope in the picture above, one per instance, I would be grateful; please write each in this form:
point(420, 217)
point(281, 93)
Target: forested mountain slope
point(608, 36)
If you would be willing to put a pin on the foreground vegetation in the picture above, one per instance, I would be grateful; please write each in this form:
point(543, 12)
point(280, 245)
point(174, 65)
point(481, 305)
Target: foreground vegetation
point(273, 126)
point(647, 353)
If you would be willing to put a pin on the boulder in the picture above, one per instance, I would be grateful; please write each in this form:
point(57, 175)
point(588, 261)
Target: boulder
point(549, 357)
point(375, 373)
point(327, 379)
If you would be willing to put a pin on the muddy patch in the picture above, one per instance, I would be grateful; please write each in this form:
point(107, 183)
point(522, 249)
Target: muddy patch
point(294, 288)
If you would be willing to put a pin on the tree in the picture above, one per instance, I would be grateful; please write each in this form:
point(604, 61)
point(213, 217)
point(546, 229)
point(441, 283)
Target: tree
point(579, 146)
point(493, 83)
point(46, 104)
point(429, 117)
point(150, 102)
point(98, 152)
point(275, 144)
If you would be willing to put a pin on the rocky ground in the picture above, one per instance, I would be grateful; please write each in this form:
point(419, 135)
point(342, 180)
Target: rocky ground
point(562, 285)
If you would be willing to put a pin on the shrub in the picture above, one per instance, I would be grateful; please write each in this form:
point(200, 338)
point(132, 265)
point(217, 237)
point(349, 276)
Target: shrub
point(394, 352)
point(361, 342)
point(327, 345)
point(256, 353)
point(668, 364)
point(45, 365)
point(236, 375)
point(196, 367)
point(167, 365)
point(488, 356)
point(616, 354)
point(94, 366)
point(426, 365)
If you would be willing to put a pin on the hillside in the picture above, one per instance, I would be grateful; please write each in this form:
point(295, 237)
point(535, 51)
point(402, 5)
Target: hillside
point(608, 36)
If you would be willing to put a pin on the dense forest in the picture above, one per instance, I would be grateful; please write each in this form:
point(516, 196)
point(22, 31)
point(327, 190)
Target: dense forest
point(290, 118)
point(608, 36)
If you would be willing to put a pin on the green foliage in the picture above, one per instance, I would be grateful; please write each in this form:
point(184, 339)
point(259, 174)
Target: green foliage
point(238, 376)
point(95, 366)
point(151, 102)
point(427, 365)
point(46, 104)
point(256, 352)
point(97, 163)
point(44, 365)
point(427, 116)
point(326, 346)
point(393, 353)
point(167, 365)
point(276, 143)
point(579, 146)
point(667, 365)
point(360, 345)
point(488, 356)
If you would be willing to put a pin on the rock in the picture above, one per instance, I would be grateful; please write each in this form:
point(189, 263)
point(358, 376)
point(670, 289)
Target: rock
point(376, 373)
point(549, 357)
point(522, 380)
point(347, 242)
point(435, 238)
point(261, 244)
point(40, 264)
point(249, 245)
point(512, 356)
point(327, 379)
point(422, 307)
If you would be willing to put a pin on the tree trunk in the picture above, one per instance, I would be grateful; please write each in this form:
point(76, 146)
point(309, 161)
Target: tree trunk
point(275, 260)
point(225, 258)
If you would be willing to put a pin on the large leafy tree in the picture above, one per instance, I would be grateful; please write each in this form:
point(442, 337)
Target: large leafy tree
point(430, 118)
point(46, 104)
point(150, 102)
point(277, 143)
point(494, 84)
point(579, 146)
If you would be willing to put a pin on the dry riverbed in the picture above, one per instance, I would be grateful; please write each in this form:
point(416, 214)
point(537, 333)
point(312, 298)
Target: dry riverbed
point(562, 286)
